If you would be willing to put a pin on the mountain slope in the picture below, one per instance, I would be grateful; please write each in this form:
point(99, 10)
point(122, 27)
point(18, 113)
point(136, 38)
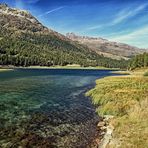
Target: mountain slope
point(107, 48)
point(25, 41)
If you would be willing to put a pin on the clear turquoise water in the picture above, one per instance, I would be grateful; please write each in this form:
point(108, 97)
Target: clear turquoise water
point(47, 108)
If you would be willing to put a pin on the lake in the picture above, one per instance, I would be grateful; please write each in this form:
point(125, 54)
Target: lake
point(47, 108)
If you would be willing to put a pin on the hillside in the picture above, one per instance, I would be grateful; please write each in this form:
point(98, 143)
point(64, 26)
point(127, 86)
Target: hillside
point(107, 48)
point(24, 41)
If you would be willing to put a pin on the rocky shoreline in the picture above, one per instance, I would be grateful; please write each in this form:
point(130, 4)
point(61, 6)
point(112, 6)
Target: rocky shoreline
point(107, 129)
point(104, 132)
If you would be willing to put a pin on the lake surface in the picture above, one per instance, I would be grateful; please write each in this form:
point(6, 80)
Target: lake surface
point(47, 108)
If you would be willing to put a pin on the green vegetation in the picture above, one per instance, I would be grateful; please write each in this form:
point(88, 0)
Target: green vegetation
point(24, 41)
point(124, 97)
point(47, 49)
point(139, 61)
point(146, 73)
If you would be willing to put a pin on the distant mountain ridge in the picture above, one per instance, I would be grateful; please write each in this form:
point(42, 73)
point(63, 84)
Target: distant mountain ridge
point(107, 48)
point(24, 41)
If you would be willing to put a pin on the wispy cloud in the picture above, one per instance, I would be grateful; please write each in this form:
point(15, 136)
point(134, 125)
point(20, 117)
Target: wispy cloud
point(114, 34)
point(132, 35)
point(94, 27)
point(122, 16)
point(128, 13)
point(136, 37)
point(51, 11)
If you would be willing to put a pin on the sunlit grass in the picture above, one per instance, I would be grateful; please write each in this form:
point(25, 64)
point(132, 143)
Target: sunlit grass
point(70, 67)
point(125, 97)
point(1, 69)
point(146, 73)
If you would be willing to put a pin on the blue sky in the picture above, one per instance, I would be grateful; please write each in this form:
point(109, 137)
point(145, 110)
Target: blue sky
point(123, 21)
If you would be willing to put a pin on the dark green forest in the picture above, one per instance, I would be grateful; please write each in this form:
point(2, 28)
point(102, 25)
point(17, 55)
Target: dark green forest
point(31, 48)
point(139, 61)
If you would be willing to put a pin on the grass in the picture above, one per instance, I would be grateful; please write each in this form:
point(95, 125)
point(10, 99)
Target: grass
point(121, 72)
point(69, 67)
point(126, 98)
point(2, 69)
point(74, 66)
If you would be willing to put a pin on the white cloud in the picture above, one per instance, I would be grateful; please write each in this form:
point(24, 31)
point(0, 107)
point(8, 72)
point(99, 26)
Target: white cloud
point(137, 38)
point(128, 13)
point(51, 11)
point(123, 15)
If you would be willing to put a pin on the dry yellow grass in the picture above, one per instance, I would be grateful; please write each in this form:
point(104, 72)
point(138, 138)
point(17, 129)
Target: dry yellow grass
point(125, 97)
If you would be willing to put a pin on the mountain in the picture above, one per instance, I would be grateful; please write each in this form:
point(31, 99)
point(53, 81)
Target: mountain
point(24, 41)
point(107, 48)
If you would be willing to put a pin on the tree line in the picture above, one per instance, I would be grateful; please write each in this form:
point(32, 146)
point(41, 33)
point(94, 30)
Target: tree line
point(139, 61)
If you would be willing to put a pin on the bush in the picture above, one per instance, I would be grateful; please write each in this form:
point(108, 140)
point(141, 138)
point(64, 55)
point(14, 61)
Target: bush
point(146, 73)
